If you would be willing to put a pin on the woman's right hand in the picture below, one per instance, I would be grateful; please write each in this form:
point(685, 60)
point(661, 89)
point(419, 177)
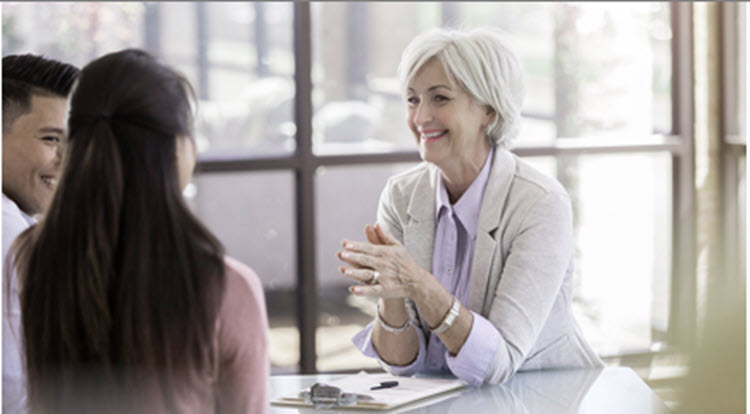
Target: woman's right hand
point(398, 274)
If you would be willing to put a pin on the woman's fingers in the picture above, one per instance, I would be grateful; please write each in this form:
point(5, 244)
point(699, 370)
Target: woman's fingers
point(341, 257)
point(359, 259)
point(359, 275)
point(362, 247)
point(372, 235)
point(383, 235)
point(367, 258)
point(367, 290)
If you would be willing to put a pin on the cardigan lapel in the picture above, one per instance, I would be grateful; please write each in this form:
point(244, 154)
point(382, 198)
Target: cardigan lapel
point(485, 248)
point(419, 232)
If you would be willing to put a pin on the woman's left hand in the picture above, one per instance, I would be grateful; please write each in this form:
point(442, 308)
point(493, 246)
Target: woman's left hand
point(397, 274)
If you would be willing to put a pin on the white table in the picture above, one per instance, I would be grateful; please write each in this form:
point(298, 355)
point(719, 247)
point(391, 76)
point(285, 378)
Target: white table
point(612, 390)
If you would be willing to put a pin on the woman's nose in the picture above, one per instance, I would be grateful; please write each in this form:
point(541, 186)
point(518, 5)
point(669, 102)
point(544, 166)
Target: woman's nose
point(422, 114)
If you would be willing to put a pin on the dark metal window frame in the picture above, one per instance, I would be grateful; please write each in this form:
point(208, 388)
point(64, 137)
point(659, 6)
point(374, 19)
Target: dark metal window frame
point(304, 163)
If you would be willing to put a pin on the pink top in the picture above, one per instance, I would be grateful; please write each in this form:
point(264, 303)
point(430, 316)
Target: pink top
point(239, 383)
point(243, 343)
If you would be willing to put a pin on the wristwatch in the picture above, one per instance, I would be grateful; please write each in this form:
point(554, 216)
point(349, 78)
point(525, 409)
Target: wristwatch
point(449, 318)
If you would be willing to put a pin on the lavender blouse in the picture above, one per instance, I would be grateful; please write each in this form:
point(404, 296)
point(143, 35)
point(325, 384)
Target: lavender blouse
point(455, 236)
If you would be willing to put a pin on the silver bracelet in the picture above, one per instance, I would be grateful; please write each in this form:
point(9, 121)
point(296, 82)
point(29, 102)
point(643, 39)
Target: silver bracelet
point(449, 318)
point(391, 328)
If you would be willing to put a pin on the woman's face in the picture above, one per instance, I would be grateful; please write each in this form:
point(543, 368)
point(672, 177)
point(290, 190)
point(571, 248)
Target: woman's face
point(446, 122)
point(185, 159)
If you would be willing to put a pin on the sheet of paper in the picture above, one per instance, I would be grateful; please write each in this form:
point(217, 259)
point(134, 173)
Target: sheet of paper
point(408, 389)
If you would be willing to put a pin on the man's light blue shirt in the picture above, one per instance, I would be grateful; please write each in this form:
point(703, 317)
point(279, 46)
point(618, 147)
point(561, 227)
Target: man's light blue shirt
point(15, 221)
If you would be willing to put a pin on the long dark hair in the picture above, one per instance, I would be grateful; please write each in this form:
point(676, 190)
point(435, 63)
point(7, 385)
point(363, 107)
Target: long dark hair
point(120, 282)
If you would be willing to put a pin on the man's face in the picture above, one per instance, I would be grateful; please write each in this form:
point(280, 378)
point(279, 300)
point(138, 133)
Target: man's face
point(32, 150)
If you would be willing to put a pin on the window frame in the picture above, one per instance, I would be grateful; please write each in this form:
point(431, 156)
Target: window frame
point(304, 162)
point(733, 148)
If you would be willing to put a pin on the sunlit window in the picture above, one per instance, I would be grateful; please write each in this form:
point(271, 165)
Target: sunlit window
point(598, 71)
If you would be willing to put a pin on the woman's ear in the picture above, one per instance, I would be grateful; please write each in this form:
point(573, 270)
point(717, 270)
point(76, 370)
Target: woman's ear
point(186, 159)
point(489, 116)
point(489, 111)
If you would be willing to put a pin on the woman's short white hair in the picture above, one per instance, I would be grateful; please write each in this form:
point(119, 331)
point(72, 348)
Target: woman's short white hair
point(481, 62)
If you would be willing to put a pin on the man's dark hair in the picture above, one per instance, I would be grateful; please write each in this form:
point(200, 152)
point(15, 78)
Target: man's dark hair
point(27, 75)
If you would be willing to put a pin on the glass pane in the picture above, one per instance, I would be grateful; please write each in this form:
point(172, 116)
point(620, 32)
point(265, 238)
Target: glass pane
point(72, 32)
point(622, 219)
point(249, 85)
point(253, 215)
point(238, 56)
point(530, 30)
point(356, 97)
point(600, 69)
point(590, 69)
point(346, 200)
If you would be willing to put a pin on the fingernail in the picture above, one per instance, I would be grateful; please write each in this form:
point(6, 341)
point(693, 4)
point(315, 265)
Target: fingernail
point(345, 255)
point(356, 289)
point(348, 272)
point(349, 246)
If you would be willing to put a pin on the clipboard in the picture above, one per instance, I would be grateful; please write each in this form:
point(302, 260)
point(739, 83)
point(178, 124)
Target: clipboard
point(357, 395)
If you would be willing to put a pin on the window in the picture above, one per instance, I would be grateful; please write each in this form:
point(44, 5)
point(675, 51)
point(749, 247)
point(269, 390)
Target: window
point(595, 74)
point(301, 121)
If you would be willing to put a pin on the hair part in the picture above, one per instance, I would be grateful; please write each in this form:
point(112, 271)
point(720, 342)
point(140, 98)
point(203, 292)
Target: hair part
point(482, 63)
point(27, 75)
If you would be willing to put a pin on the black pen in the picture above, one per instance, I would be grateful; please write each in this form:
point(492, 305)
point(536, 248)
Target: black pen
point(385, 384)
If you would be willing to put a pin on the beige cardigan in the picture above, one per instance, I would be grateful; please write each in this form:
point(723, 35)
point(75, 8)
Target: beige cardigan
point(521, 275)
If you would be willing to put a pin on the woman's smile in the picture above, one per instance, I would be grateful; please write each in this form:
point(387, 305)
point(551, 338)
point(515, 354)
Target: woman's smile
point(432, 135)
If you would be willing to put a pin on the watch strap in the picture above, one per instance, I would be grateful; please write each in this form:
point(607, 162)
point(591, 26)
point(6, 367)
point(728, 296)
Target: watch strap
point(449, 317)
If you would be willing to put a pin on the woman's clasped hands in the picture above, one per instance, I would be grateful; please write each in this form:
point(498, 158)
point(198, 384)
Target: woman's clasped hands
point(382, 264)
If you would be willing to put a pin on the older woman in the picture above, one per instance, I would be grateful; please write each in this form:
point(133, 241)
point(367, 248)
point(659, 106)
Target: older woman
point(472, 253)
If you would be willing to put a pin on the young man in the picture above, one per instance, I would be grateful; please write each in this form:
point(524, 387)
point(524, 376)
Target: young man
point(35, 92)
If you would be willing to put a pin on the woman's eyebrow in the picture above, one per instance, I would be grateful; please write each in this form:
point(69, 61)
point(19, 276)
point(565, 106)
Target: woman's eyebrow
point(432, 88)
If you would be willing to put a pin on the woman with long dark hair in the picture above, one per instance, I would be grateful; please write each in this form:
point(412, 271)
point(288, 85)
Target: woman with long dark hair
point(128, 303)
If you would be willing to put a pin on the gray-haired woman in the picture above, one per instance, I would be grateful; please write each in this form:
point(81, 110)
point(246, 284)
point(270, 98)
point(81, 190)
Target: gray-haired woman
point(472, 253)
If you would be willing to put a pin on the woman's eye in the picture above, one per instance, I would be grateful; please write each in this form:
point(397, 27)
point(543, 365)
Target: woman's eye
point(412, 100)
point(441, 98)
point(51, 138)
